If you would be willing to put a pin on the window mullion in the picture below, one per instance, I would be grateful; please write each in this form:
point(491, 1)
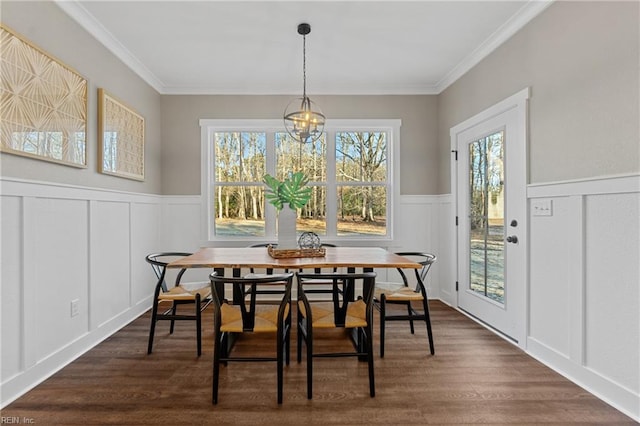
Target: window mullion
point(332, 190)
point(270, 212)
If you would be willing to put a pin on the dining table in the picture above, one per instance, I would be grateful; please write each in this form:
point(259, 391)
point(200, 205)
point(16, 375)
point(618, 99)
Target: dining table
point(237, 258)
point(349, 258)
point(367, 258)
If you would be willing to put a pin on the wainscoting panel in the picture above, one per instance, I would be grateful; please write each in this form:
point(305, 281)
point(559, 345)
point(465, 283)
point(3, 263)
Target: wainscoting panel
point(181, 223)
point(417, 229)
point(110, 266)
point(146, 231)
point(550, 287)
point(11, 282)
point(58, 255)
point(445, 235)
point(584, 285)
point(181, 219)
point(63, 244)
point(612, 288)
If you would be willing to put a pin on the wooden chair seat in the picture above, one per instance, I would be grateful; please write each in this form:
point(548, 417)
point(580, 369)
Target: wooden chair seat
point(322, 315)
point(266, 319)
point(182, 293)
point(397, 292)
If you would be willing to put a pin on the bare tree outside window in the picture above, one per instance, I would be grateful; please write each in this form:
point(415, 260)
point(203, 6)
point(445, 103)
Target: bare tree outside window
point(239, 168)
point(361, 168)
point(354, 196)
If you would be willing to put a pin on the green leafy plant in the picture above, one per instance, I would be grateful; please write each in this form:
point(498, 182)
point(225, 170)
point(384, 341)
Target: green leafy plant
point(292, 191)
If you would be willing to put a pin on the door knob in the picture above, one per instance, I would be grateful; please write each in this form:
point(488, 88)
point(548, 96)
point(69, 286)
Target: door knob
point(512, 239)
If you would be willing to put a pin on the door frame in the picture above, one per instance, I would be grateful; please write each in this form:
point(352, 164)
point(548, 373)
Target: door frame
point(519, 101)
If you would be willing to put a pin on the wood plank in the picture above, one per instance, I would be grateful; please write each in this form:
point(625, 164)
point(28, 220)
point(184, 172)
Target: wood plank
point(474, 378)
point(257, 257)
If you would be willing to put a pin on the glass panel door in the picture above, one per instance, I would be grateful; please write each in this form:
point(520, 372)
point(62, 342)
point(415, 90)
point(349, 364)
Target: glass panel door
point(490, 170)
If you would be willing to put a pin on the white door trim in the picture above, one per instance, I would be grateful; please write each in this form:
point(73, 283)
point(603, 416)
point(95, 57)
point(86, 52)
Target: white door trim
point(517, 101)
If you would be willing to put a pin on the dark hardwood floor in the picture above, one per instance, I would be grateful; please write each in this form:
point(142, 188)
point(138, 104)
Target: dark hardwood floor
point(474, 378)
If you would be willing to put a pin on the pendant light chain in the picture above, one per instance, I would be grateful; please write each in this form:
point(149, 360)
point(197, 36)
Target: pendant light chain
point(304, 89)
point(304, 66)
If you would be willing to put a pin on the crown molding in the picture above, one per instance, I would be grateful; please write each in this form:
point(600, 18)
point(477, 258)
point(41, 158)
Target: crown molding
point(529, 11)
point(78, 13)
point(407, 90)
point(526, 13)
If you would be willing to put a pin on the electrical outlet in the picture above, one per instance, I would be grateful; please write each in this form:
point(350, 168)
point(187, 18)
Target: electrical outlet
point(541, 207)
point(75, 307)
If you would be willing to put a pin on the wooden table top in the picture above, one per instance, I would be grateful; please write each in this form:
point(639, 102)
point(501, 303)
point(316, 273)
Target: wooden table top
point(258, 257)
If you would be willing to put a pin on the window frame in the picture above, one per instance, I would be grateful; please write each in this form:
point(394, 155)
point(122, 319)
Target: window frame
point(208, 128)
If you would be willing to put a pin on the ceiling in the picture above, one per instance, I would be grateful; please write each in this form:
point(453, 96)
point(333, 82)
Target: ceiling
point(355, 47)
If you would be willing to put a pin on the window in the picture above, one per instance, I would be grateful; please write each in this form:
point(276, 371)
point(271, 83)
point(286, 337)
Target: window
point(350, 170)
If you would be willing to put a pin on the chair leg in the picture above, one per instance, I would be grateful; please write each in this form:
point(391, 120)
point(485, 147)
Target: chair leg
point(173, 312)
point(410, 313)
point(152, 330)
point(287, 341)
point(369, 336)
point(216, 366)
point(224, 346)
point(309, 342)
point(198, 324)
point(427, 319)
point(382, 325)
point(280, 342)
point(299, 343)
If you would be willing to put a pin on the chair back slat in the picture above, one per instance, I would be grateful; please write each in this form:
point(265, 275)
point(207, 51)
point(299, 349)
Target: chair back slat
point(424, 259)
point(159, 262)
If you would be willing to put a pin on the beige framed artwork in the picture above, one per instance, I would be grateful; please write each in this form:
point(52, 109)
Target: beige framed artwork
point(43, 104)
point(120, 138)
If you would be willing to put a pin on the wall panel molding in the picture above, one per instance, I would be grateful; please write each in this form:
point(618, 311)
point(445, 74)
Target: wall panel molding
point(602, 185)
point(46, 271)
point(583, 283)
point(150, 223)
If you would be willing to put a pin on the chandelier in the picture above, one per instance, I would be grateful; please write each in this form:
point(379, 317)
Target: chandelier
point(302, 118)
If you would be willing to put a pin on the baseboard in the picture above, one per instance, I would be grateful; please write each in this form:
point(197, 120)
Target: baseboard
point(22, 383)
point(620, 398)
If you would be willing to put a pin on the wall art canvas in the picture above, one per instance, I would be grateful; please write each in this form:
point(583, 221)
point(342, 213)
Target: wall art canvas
point(43, 104)
point(121, 138)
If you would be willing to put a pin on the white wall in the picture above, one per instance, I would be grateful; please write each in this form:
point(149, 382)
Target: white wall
point(62, 243)
point(584, 285)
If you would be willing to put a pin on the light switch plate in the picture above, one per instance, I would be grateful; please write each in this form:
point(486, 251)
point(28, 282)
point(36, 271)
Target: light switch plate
point(542, 207)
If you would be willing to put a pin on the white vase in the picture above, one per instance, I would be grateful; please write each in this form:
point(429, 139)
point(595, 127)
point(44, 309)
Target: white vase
point(287, 238)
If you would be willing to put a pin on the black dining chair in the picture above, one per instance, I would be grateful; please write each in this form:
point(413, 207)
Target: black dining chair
point(197, 294)
point(267, 272)
point(409, 293)
point(231, 321)
point(322, 290)
point(339, 314)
